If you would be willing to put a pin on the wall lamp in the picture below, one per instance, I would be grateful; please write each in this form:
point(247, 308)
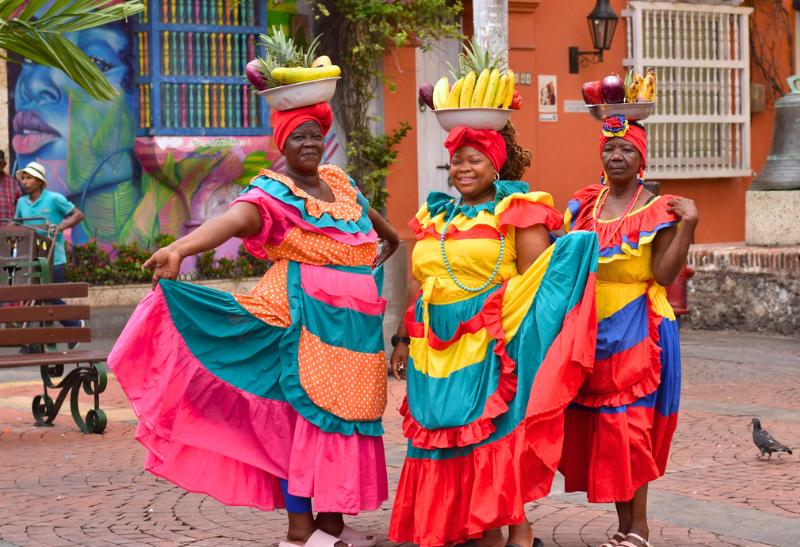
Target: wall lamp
point(602, 24)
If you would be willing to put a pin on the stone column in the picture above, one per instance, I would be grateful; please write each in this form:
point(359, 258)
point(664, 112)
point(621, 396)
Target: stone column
point(773, 199)
point(490, 21)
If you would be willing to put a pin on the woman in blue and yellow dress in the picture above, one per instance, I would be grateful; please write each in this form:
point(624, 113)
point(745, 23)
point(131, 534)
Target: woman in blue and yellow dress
point(497, 339)
point(619, 429)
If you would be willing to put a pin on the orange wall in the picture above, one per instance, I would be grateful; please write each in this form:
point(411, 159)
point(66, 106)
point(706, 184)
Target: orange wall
point(565, 152)
point(400, 105)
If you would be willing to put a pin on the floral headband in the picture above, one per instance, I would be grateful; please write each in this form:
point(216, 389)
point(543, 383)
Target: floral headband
point(615, 126)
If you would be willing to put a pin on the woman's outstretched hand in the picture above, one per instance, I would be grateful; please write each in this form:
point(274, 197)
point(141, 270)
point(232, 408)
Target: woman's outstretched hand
point(399, 360)
point(165, 263)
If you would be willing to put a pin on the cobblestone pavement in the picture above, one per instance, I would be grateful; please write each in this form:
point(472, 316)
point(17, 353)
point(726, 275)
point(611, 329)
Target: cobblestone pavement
point(59, 487)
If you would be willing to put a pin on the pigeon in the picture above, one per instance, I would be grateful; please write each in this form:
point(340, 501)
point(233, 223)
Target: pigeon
point(765, 442)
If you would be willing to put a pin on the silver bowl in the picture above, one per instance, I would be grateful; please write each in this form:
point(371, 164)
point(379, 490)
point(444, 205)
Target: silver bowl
point(632, 111)
point(290, 96)
point(474, 118)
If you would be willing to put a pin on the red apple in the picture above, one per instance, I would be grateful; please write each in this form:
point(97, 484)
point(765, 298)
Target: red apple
point(591, 92)
point(613, 89)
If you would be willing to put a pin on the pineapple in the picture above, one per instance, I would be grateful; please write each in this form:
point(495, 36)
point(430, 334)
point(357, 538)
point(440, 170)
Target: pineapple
point(283, 51)
point(473, 58)
point(480, 71)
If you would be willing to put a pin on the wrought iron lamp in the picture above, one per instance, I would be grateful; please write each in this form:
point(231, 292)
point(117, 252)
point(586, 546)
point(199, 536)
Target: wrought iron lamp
point(602, 24)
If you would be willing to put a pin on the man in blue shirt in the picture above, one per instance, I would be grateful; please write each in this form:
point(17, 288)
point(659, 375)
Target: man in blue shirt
point(59, 212)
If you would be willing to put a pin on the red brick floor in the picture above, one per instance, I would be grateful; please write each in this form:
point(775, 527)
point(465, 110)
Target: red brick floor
point(60, 487)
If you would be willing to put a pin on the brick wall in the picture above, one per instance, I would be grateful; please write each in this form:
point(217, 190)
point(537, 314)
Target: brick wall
point(745, 288)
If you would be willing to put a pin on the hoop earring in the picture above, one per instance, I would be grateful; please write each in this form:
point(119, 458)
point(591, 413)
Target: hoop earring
point(496, 176)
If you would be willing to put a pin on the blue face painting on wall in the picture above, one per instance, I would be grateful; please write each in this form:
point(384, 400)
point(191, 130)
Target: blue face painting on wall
point(86, 145)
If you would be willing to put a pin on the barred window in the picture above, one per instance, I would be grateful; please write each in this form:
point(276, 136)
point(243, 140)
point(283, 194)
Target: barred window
point(191, 57)
point(701, 57)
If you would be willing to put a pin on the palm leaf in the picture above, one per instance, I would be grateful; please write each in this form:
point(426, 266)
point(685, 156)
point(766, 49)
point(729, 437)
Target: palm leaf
point(41, 39)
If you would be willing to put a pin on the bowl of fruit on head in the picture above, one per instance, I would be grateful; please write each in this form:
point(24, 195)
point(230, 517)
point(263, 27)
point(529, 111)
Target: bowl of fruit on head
point(290, 75)
point(634, 97)
point(482, 95)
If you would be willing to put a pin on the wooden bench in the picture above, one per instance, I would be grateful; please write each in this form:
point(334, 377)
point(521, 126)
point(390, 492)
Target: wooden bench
point(29, 320)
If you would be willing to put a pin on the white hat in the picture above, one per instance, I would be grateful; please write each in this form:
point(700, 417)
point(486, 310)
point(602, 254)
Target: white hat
point(36, 170)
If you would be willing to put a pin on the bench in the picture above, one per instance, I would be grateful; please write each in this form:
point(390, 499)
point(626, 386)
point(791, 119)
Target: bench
point(28, 320)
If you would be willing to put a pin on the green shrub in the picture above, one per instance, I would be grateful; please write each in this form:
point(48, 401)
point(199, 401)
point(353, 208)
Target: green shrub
point(90, 263)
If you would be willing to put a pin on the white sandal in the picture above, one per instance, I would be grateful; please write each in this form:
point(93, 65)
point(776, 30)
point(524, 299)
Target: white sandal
point(637, 537)
point(317, 539)
point(357, 538)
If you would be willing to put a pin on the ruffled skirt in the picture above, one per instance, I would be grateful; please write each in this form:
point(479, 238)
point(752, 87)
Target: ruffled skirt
point(203, 379)
point(611, 450)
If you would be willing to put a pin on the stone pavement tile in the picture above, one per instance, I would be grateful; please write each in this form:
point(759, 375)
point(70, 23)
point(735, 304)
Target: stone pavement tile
point(60, 487)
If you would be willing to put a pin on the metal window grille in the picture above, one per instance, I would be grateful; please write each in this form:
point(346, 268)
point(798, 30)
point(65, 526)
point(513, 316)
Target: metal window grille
point(190, 59)
point(701, 57)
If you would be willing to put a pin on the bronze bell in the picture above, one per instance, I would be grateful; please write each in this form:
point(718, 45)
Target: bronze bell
point(782, 168)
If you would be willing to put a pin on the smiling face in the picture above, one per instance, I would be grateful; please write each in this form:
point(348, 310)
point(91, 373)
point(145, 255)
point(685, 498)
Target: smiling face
point(621, 160)
point(44, 96)
point(472, 173)
point(303, 149)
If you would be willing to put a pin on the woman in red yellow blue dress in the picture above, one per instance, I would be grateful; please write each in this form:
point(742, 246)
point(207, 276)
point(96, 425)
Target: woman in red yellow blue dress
point(619, 429)
point(273, 398)
point(497, 339)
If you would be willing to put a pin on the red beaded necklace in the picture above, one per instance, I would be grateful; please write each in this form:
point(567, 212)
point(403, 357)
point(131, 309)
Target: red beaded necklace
point(598, 207)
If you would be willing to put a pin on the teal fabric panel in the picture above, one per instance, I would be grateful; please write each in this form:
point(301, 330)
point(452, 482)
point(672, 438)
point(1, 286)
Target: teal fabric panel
point(342, 327)
point(230, 342)
point(562, 288)
point(456, 400)
point(460, 398)
point(441, 201)
point(378, 275)
point(290, 375)
point(363, 201)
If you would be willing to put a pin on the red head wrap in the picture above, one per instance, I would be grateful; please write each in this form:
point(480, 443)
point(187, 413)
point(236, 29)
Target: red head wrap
point(285, 121)
point(618, 126)
point(489, 143)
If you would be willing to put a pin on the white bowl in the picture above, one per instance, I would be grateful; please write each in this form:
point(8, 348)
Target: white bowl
point(632, 111)
point(474, 118)
point(290, 96)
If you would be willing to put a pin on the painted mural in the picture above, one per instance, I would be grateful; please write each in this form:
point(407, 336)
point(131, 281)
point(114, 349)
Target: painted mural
point(131, 188)
point(86, 145)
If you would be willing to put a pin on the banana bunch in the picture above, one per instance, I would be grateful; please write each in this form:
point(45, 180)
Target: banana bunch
point(320, 68)
point(489, 89)
point(638, 88)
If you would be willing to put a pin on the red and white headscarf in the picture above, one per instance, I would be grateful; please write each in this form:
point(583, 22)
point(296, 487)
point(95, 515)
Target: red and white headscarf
point(283, 122)
point(489, 143)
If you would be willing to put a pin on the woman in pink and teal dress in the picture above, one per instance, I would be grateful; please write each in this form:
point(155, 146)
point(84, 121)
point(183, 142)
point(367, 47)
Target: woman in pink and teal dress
point(273, 398)
point(620, 427)
point(498, 337)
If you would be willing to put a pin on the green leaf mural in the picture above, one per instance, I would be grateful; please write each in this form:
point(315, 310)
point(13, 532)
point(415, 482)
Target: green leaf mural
point(99, 164)
point(252, 164)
